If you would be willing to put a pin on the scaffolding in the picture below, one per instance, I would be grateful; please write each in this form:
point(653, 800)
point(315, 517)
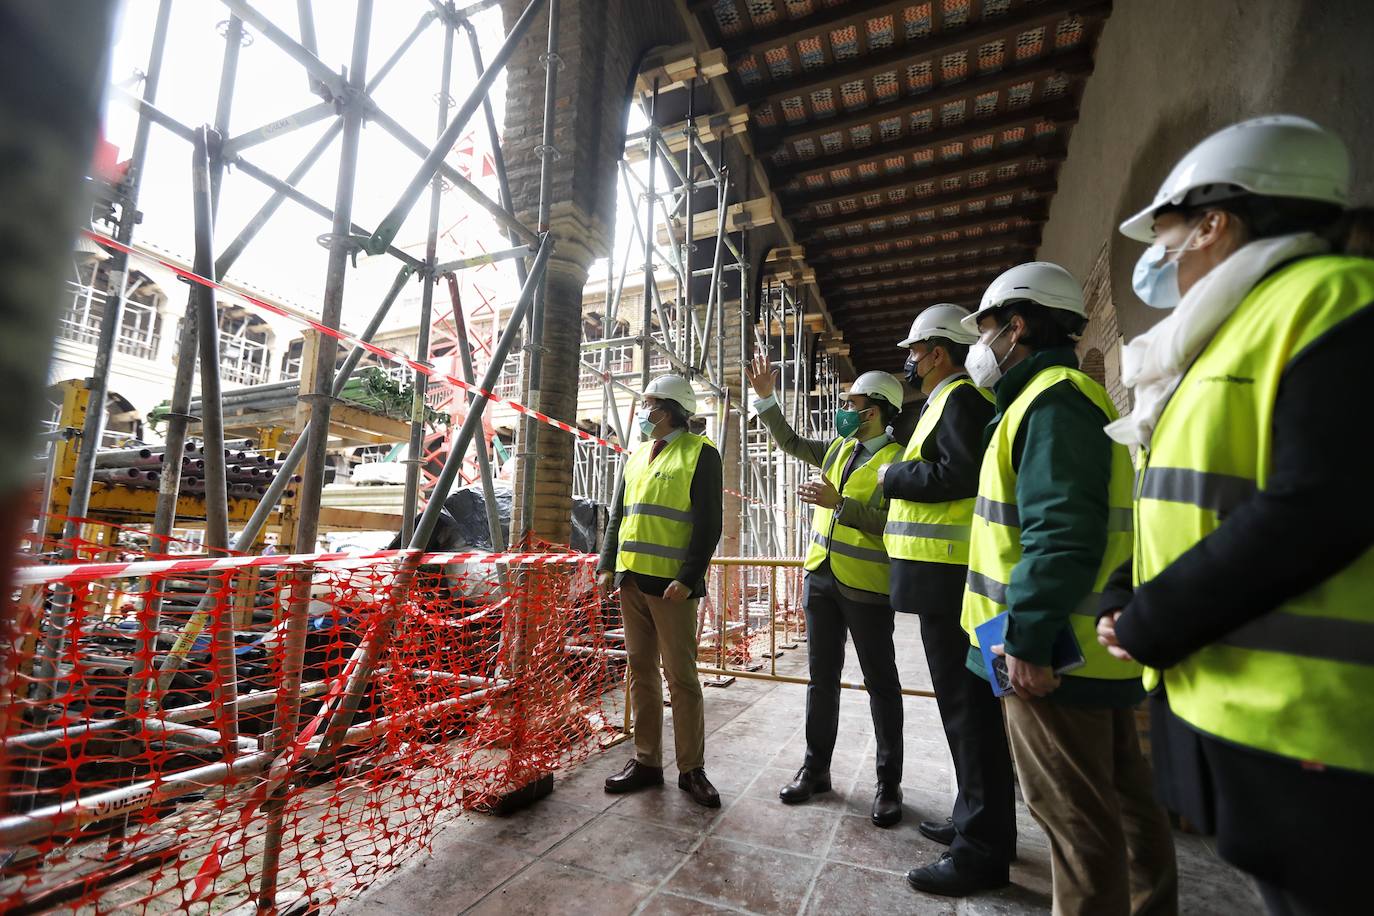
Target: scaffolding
point(346, 97)
point(684, 324)
point(684, 328)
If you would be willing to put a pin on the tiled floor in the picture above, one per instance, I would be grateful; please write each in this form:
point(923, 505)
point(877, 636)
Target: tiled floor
point(581, 851)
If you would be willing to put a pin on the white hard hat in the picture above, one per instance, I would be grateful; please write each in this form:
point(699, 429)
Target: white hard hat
point(940, 320)
point(1274, 156)
point(1039, 281)
point(882, 384)
point(673, 388)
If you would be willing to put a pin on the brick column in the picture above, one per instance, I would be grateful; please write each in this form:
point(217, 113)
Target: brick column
point(600, 42)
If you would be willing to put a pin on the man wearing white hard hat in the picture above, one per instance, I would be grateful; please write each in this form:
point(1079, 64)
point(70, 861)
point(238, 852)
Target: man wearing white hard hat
point(846, 586)
point(664, 527)
point(932, 490)
point(1051, 522)
point(1251, 591)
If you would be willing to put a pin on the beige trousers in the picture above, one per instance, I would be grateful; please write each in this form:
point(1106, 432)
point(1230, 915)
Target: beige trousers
point(657, 628)
point(1087, 784)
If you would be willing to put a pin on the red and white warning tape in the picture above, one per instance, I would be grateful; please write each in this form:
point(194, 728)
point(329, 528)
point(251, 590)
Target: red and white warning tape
point(86, 572)
point(382, 352)
point(342, 337)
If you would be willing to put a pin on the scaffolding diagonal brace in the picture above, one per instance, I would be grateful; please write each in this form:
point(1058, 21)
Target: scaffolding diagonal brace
point(391, 223)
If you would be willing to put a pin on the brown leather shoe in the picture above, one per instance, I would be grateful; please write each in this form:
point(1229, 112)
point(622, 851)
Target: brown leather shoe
point(635, 776)
point(695, 784)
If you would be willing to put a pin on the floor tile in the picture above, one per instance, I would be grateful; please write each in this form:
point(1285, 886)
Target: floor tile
point(759, 880)
point(453, 877)
point(664, 904)
point(533, 830)
point(894, 849)
point(844, 890)
point(794, 828)
point(624, 848)
point(585, 785)
point(550, 889)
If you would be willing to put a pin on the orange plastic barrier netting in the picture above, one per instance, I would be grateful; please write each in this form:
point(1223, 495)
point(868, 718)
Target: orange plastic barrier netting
point(158, 770)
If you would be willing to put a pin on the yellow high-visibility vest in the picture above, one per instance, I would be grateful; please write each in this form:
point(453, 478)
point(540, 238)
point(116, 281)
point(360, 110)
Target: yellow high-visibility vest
point(995, 540)
point(1298, 681)
point(857, 558)
point(656, 517)
point(931, 532)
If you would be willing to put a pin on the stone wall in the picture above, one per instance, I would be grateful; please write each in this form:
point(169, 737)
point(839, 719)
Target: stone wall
point(1168, 73)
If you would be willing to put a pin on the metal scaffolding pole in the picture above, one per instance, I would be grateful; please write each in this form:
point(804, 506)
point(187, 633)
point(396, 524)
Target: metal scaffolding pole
point(225, 683)
point(319, 401)
point(318, 404)
point(646, 330)
point(99, 383)
point(415, 447)
point(533, 344)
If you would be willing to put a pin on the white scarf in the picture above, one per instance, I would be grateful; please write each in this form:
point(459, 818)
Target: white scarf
point(1154, 363)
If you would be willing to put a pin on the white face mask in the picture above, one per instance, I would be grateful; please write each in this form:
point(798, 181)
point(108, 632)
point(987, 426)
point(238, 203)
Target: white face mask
point(982, 363)
point(1155, 280)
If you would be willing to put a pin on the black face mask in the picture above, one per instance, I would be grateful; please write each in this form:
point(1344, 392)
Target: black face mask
point(909, 369)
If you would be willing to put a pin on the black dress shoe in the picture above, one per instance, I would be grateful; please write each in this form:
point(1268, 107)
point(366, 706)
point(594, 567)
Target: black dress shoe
point(887, 805)
point(806, 784)
point(948, 880)
point(635, 776)
point(695, 784)
point(942, 832)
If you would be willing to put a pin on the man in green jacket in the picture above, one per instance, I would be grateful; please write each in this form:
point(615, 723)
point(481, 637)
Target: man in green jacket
point(1051, 522)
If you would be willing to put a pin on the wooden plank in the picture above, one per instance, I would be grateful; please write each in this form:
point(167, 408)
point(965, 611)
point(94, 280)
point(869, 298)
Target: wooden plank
point(335, 519)
point(749, 214)
point(676, 65)
point(369, 423)
point(710, 128)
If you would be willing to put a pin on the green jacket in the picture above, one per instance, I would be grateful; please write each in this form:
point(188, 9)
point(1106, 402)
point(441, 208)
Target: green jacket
point(1063, 466)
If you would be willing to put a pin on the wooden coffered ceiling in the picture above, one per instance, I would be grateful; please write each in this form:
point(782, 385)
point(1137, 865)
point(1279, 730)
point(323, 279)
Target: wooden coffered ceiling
point(914, 145)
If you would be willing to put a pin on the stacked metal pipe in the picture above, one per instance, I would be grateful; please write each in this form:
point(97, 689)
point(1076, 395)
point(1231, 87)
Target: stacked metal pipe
point(249, 471)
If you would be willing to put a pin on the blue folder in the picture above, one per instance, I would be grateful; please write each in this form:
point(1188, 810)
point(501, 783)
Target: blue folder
point(1065, 656)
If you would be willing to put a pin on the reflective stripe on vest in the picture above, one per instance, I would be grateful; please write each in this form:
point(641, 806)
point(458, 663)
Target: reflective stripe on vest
point(930, 532)
point(857, 559)
point(995, 545)
point(656, 519)
point(1296, 682)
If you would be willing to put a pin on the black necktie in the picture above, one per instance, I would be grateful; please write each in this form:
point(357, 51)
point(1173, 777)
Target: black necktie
point(850, 465)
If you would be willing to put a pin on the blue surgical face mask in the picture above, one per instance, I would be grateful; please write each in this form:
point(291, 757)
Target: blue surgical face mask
point(1155, 278)
point(646, 425)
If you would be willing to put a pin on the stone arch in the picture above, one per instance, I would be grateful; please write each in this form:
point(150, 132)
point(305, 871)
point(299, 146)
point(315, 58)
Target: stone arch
point(1099, 351)
point(1095, 365)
